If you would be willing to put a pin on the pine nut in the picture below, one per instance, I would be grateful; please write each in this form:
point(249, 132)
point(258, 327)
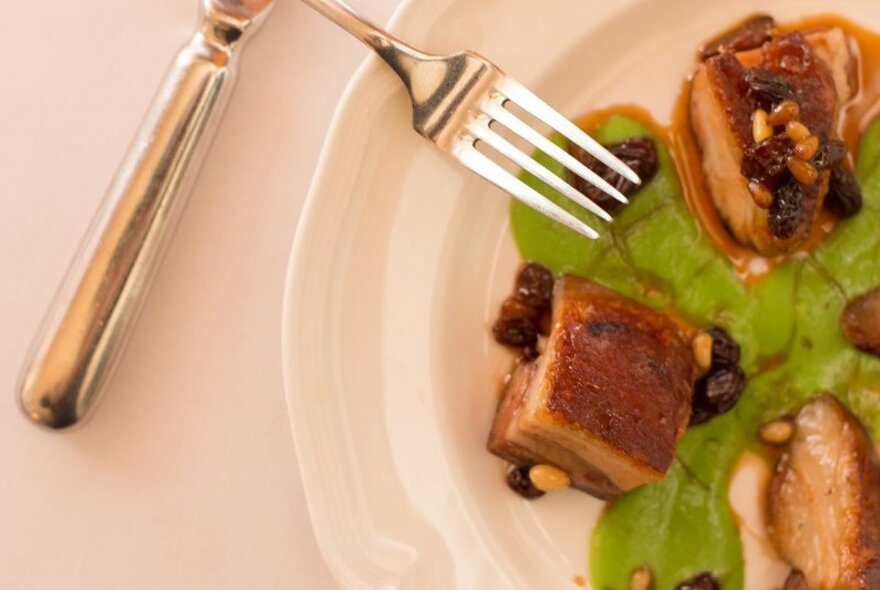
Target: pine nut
point(786, 111)
point(641, 579)
point(777, 432)
point(548, 478)
point(807, 148)
point(797, 131)
point(760, 129)
point(702, 347)
point(761, 194)
point(803, 172)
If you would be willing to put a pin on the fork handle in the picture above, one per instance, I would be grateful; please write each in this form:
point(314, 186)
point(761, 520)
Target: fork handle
point(95, 307)
point(398, 54)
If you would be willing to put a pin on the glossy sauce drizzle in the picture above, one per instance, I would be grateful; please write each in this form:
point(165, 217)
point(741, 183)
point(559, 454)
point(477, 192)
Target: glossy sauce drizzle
point(856, 115)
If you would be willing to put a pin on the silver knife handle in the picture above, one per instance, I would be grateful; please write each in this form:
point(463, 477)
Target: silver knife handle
point(96, 305)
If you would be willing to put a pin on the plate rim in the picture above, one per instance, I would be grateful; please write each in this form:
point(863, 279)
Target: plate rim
point(340, 568)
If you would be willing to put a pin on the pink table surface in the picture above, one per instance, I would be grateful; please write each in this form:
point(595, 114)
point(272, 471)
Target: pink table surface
point(186, 477)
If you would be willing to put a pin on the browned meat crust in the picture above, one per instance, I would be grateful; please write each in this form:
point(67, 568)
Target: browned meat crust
point(608, 400)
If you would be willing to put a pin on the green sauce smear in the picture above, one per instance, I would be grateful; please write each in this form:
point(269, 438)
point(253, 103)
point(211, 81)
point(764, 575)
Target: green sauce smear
point(656, 252)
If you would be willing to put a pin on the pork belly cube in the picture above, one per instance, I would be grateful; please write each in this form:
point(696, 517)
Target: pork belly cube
point(766, 188)
point(824, 500)
point(608, 399)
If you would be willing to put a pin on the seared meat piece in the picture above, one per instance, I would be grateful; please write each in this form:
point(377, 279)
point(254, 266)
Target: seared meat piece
point(608, 399)
point(860, 321)
point(824, 500)
point(764, 119)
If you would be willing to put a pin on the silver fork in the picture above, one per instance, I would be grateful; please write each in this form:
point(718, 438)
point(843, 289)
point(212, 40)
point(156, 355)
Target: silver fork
point(457, 98)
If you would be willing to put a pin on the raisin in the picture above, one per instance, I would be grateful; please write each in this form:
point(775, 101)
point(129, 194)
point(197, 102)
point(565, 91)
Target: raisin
point(703, 581)
point(534, 286)
point(767, 89)
point(791, 53)
point(829, 155)
point(844, 197)
point(750, 34)
point(514, 308)
point(764, 162)
point(639, 153)
point(717, 392)
point(725, 350)
point(518, 480)
point(518, 332)
point(785, 213)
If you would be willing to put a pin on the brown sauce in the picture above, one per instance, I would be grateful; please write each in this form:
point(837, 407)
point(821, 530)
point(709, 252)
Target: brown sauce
point(856, 115)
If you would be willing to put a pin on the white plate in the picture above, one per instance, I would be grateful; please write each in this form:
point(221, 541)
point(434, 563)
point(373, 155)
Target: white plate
point(399, 263)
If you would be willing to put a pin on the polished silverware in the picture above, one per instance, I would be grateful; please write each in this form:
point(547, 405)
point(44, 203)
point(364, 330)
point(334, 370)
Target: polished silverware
point(88, 322)
point(456, 100)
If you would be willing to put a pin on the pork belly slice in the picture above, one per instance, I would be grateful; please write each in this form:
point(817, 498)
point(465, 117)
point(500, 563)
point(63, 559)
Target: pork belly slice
point(813, 69)
point(824, 500)
point(608, 399)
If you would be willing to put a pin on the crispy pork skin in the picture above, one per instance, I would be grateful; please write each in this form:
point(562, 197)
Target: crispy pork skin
point(824, 500)
point(767, 190)
point(608, 399)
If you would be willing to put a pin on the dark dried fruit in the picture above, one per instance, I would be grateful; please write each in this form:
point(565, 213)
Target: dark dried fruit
point(725, 350)
point(514, 308)
point(844, 197)
point(534, 286)
point(791, 53)
point(703, 581)
point(639, 153)
point(784, 215)
point(751, 34)
point(831, 153)
point(717, 393)
point(518, 480)
point(860, 321)
point(517, 332)
point(764, 162)
point(767, 89)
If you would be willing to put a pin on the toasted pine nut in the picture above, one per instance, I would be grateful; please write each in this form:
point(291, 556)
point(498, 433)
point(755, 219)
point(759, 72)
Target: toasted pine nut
point(797, 131)
point(761, 194)
point(777, 432)
point(807, 148)
point(804, 173)
point(641, 579)
point(786, 111)
point(548, 478)
point(702, 347)
point(760, 129)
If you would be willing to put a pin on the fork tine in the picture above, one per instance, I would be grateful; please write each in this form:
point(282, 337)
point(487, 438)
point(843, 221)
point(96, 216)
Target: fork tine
point(480, 128)
point(468, 155)
point(526, 100)
point(496, 111)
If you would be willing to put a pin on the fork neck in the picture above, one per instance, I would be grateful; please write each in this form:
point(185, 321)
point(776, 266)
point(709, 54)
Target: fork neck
point(401, 56)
